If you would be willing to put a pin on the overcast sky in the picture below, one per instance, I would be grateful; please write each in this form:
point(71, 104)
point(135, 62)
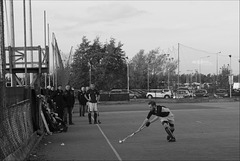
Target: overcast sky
point(212, 26)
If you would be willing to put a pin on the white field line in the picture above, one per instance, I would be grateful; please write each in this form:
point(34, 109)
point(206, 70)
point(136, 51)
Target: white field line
point(146, 111)
point(109, 143)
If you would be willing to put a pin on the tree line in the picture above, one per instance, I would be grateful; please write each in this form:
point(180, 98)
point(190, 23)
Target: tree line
point(105, 64)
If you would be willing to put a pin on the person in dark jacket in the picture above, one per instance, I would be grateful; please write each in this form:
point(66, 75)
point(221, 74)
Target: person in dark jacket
point(69, 99)
point(51, 102)
point(58, 99)
point(82, 101)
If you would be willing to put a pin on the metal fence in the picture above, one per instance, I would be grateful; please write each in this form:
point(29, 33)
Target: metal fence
point(18, 126)
point(17, 94)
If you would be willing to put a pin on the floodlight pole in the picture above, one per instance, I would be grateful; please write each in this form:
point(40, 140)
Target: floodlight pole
point(217, 68)
point(168, 69)
point(148, 76)
point(31, 37)
point(53, 59)
point(12, 42)
point(90, 74)
point(178, 63)
point(45, 44)
point(230, 77)
point(49, 76)
point(25, 41)
point(127, 74)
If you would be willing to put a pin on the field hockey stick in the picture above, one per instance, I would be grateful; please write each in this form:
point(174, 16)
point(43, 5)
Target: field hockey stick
point(98, 115)
point(123, 140)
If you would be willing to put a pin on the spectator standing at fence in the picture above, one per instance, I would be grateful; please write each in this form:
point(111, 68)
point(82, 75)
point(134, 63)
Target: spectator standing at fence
point(48, 95)
point(51, 103)
point(94, 97)
point(47, 91)
point(82, 101)
point(58, 99)
point(69, 99)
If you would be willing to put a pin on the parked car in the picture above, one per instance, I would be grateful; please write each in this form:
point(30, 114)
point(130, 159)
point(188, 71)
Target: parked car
point(201, 93)
point(133, 94)
point(221, 93)
point(141, 92)
point(235, 92)
point(191, 91)
point(159, 93)
point(180, 93)
point(118, 91)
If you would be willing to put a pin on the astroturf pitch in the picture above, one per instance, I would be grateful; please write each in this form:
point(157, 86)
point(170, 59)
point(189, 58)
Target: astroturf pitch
point(204, 131)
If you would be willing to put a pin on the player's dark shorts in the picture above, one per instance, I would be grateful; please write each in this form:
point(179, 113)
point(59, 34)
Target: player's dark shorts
point(169, 119)
point(170, 123)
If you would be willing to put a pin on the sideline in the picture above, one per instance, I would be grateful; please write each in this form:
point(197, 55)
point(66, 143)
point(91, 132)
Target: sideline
point(109, 143)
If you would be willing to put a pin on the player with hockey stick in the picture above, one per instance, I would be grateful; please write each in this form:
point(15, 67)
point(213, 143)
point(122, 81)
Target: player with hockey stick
point(166, 118)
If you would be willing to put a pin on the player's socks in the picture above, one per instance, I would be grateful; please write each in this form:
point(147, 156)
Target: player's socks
point(95, 117)
point(168, 138)
point(169, 132)
point(89, 118)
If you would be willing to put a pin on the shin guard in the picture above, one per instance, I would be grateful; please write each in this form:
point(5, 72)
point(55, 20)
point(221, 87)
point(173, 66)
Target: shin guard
point(169, 132)
point(95, 117)
point(89, 117)
point(172, 129)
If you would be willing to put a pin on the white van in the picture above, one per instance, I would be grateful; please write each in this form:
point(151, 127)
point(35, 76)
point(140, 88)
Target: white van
point(159, 93)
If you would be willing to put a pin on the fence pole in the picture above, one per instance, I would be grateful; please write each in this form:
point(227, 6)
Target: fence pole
point(2, 64)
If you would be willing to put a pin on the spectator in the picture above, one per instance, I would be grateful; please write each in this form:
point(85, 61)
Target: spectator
point(58, 99)
point(47, 91)
point(50, 99)
point(73, 99)
point(69, 99)
point(51, 91)
point(82, 101)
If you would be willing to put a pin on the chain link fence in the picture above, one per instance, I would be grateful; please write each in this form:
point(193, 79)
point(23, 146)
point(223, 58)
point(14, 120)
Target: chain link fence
point(21, 121)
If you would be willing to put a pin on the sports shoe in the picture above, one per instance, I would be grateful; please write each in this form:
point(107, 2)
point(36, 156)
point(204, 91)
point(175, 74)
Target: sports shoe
point(172, 140)
point(99, 122)
point(168, 138)
point(90, 122)
point(95, 122)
